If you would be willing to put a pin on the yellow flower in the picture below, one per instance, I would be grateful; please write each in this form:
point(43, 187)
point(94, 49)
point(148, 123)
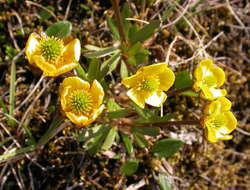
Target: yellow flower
point(81, 102)
point(208, 78)
point(52, 55)
point(219, 122)
point(148, 84)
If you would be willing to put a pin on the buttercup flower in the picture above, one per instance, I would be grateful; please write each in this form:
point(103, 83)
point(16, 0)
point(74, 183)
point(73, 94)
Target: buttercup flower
point(219, 122)
point(52, 55)
point(148, 84)
point(81, 102)
point(208, 78)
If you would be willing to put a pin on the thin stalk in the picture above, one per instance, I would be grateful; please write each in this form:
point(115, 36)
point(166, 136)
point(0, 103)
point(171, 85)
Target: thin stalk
point(12, 91)
point(118, 18)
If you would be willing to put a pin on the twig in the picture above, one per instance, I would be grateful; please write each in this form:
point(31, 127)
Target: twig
point(178, 18)
point(19, 20)
point(236, 17)
point(12, 36)
point(67, 10)
point(138, 20)
point(243, 132)
point(32, 104)
point(31, 93)
point(38, 5)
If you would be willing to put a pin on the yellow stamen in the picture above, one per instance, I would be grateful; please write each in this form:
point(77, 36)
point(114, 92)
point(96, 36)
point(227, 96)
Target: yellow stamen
point(149, 84)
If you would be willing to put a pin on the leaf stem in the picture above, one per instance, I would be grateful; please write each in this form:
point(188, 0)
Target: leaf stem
point(118, 18)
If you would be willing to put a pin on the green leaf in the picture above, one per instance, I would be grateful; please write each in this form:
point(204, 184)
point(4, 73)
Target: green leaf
point(17, 152)
point(60, 29)
point(109, 139)
point(80, 72)
point(45, 15)
point(118, 114)
point(146, 32)
point(101, 53)
point(183, 80)
point(112, 105)
point(140, 140)
point(130, 167)
point(137, 54)
point(150, 131)
point(109, 65)
point(53, 128)
point(3, 105)
point(93, 48)
point(95, 143)
point(123, 70)
point(190, 93)
point(127, 143)
point(126, 13)
point(94, 69)
point(166, 147)
point(113, 28)
point(164, 182)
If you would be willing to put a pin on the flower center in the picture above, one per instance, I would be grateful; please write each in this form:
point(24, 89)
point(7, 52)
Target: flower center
point(210, 81)
point(81, 101)
point(51, 48)
point(150, 84)
point(219, 121)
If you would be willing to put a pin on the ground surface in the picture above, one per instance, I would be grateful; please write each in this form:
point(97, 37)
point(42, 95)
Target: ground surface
point(221, 28)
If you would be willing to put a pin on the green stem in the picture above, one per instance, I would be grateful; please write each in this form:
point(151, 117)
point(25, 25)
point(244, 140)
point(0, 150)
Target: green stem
point(12, 91)
point(180, 90)
point(118, 18)
point(178, 123)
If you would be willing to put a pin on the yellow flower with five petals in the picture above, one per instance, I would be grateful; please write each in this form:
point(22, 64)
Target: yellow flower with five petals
point(219, 122)
point(52, 55)
point(208, 78)
point(81, 102)
point(148, 84)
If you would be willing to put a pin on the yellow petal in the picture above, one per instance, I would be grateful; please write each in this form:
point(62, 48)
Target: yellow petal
point(31, 47)
point(136, 97)
point(72, 51)
point(225, 103)
point(79, 120)
point(132, 81)
point(157, 99)
point(95, 114)
point(153, 69)
point(231, 121)
point(219, 74)
point(64, 92)
point(97, 94)
point(212, 93)
point(48, 69)
point(206, 63)
point(65, 68)
point(167, 78)
point(76, 83)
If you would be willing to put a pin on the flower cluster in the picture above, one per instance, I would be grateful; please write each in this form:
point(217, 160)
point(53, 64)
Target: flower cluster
point(218, 121)
point(80, 102)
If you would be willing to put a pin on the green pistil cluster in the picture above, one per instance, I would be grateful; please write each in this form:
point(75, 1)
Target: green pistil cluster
point(51, 48)
point(81, 102)
point(150, 84)
point(210, 81)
